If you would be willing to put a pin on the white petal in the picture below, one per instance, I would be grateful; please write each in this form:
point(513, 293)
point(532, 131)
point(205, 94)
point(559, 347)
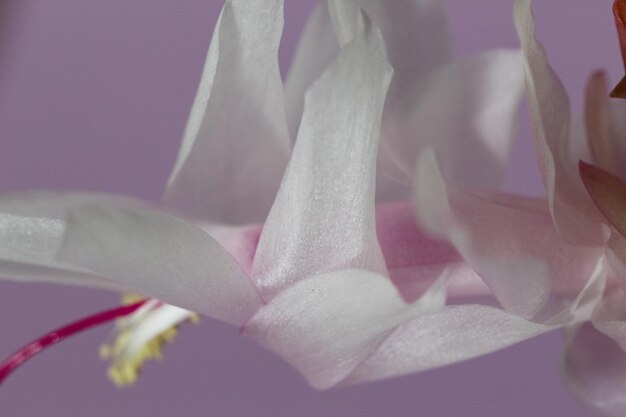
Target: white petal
point(326, 325)
point(462, 332)
point(317, 48)
point(574, 215)
point(510, 242)
point(236, 144)
point(441, 338)
point(415, 33)
point(466, 112)
point(594, 369)
point(159, 255)
point(32, 226)
point(323, 217)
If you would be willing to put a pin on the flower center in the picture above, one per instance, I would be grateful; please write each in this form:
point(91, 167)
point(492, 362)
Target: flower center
point(36, 346)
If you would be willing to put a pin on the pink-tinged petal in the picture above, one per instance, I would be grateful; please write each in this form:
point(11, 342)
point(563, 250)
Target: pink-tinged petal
point(574, 216)
point(161, 256)
point(605, 126)
point(414, 259)
point(466, 111)
point(317, 48)
point(616, 256)
point(327, 324)
point(462, 332)
point(609, 317)
point(236, 143)
point(617, 129)
point(597, 123)
point(509, 241)
point(608, 192)
point(323, 217)
point(451, 335)
point(594, 369)
point(32, 226)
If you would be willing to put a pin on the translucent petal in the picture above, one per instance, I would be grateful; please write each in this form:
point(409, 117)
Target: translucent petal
point(161, 256)
point(323, 217)
point(327, 324)
point(574, 215)
point(236, 144)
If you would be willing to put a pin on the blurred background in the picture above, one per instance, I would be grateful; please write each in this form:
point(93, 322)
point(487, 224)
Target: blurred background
point(94, 96)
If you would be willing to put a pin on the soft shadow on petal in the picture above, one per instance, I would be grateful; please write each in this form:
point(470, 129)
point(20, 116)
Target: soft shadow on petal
point(574, 215)
point(417, 41)
point(509, 241)
point(323, 217)
point(32, 227)
point(236, 144)
point(317, 48)
point(594, 369)
point(325, 325)
point(608, 192)
point(441, 338)
point(467, 112)
point(462, 332)
point(159, 255)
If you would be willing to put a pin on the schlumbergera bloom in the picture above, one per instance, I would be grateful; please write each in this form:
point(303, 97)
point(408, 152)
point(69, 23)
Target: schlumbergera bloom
point(572, 229)
point(291, 209)
point(595, 359)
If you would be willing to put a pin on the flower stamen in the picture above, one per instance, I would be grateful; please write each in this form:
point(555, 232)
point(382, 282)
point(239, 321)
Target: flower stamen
point(58, 335)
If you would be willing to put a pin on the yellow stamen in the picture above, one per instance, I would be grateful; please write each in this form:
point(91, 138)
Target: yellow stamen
point(126, 365)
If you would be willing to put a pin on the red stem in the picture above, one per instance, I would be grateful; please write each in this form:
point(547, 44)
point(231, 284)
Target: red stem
point(36, 346)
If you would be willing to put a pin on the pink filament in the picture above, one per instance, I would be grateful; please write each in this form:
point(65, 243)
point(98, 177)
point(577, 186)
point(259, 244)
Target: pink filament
point(36, 346)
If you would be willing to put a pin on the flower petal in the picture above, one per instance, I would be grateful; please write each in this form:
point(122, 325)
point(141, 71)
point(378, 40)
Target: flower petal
point(594, 369)
point(236, 143)
point(574, 216)
point(323, 217)
point(32, 226)
point(317, 48)
point(509, 241)
point(416, 37)
point(597, 123)
point(451, 335)
point(159, 255)
point(466, 111)
point(327, 324)
point(608, 192)
point(413, 258)
point(462, 332)
point(418, 43)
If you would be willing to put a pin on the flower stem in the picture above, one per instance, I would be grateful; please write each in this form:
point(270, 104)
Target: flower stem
point(36, 346)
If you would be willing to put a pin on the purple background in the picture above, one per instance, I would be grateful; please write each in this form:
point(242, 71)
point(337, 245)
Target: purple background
point(94, 95)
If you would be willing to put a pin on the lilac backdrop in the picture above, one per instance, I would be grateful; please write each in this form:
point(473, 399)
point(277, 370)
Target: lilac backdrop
point(94, 95)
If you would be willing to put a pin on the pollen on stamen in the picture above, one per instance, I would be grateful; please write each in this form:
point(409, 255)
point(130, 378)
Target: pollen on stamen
point(141, 337)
